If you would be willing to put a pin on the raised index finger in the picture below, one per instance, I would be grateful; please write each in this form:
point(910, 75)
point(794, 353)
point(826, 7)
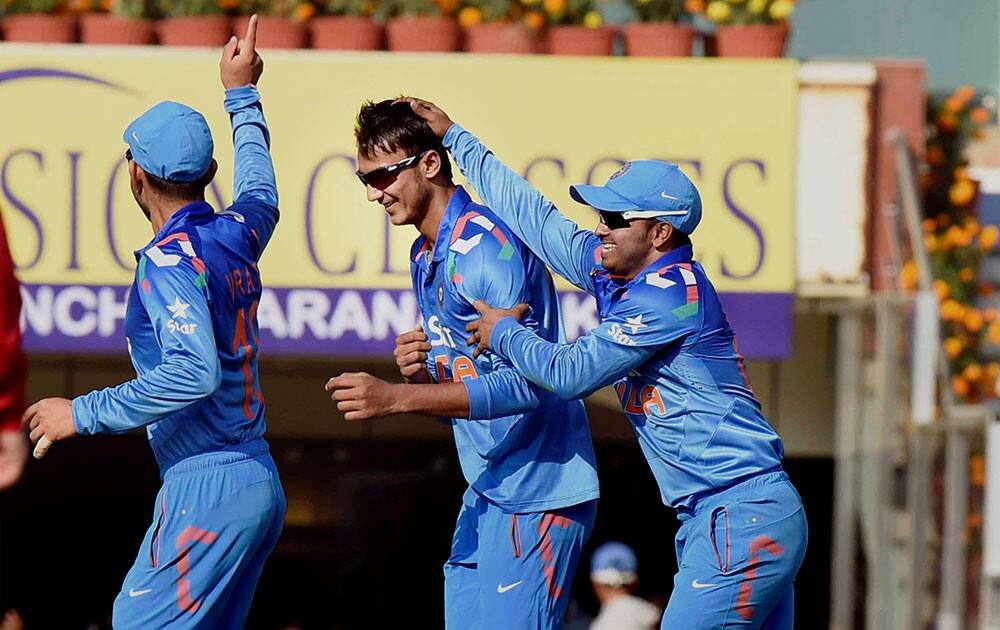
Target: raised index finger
point(250, 40)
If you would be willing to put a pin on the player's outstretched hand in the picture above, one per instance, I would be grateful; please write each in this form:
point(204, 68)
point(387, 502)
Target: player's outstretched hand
point(241, 65)
point(431, 113)
point(49, 420)
point(362, 396)
point(482, 328)
point(411, 355)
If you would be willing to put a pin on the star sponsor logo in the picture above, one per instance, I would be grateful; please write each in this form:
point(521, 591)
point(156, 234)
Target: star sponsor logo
point(178, 309)
point(635, 323)
point(184, 328)
point(618, 335)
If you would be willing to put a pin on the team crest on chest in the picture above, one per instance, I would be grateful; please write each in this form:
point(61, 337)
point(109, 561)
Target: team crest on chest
point(441, 293)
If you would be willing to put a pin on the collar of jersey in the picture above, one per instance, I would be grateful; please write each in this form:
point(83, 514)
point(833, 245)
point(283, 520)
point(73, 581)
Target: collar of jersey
point(682, 254)
point(196, 209)
point(456, 205)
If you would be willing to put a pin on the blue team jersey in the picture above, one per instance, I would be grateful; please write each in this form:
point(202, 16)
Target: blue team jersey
point(523, 448)
point(191, 320)
point(663, 342)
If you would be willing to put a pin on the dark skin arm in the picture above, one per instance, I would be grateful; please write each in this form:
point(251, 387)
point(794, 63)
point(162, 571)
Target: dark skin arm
point(361, 396)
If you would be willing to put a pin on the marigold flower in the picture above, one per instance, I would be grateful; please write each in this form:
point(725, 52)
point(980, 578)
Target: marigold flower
point(469, 16)
point(947, 122)
point(928, 225)
point(977, 471)
point(941, 288)
point(593, 19)
point(989, 237)
point(554, 8)
point(965, 92)
point(304, 12)
point(954, 104)
point(972, 372)
point(953, 347)
point(973, 321)
point(718, 11)
point(534, 19)
point(960, 386)
point(781, 9)
point(694, 6)
point(993, 332)
point(962, 192)
point(951, 310)
point(980, 115)
point(966, 274)
point(935, 155)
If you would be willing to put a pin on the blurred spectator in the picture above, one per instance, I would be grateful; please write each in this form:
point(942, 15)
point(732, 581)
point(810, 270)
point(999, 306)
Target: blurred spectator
point(13, 445)
point(614, 573)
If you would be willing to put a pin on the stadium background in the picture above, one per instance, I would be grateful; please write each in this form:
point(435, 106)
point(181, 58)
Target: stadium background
point(372, 505)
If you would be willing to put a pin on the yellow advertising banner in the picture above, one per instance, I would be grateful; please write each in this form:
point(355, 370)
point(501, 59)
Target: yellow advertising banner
point(71, 219)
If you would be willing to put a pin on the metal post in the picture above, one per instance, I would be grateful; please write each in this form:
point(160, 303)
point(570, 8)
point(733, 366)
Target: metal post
point(878, 514)
point(951, 615)
point(848, 411)
point(917, 489)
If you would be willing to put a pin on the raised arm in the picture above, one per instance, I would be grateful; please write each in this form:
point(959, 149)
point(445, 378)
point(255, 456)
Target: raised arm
point(571, 252)
point(255, 191)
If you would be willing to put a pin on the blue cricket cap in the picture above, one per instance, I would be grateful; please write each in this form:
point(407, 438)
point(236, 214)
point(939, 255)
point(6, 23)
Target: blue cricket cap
point(646, 189)
point(614, 563)
point(172, 142)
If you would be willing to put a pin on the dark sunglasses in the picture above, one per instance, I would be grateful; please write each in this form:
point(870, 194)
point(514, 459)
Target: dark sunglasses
point(383, 177)
point(614, 220)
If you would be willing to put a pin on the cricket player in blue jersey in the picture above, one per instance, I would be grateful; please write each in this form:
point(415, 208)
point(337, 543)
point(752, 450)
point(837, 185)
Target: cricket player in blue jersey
point(192, 334)
point(526, 453)
point(666, 346)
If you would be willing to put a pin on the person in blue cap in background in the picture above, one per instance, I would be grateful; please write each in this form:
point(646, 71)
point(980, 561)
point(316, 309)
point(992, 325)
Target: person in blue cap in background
point(220, 510)
point(614, 574)
point(666, 346)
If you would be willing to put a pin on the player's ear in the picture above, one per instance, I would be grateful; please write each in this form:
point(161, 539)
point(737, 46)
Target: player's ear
point(662, 232)
point(210, 175)
point(431, 164)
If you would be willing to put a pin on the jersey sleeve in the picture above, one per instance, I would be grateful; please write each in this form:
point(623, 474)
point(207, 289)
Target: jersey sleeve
point(255, 189)
point(485, 265)
point(172, 288)
point(570, 371)
point(573, 253)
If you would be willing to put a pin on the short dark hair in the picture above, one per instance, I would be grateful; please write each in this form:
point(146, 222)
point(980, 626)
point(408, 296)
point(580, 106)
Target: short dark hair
point(679, 239)
point(179, 190)
point(389, 126)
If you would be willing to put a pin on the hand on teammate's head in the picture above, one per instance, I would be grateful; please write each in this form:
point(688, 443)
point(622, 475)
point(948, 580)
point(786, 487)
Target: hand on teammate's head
point(433, 115)
point(241, 65)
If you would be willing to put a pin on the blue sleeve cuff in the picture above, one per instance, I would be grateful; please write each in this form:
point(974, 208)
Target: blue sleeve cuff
point(502, 332)
point(80, 420)
point(479, 398)
point(451, 135)
point(239, 97)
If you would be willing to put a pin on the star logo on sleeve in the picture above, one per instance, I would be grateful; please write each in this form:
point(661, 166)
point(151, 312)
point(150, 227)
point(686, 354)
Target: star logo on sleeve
point(635, 323)
point(178, 308)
